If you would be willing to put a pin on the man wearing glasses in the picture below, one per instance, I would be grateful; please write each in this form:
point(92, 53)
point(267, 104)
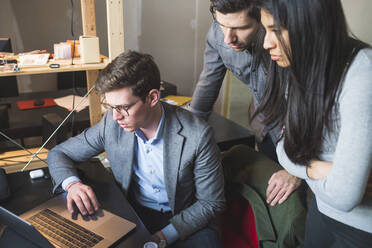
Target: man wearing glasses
point(165, 154)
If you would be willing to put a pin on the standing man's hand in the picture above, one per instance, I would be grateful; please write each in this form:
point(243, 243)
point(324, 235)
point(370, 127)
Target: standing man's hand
point(84, 198)
point(281, 186)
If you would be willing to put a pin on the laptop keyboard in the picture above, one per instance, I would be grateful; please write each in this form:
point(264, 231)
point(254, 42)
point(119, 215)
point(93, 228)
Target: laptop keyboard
point(63, 232)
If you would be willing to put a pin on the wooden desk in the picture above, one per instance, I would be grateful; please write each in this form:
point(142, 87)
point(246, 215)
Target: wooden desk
point(27, 194)
point(228, 133)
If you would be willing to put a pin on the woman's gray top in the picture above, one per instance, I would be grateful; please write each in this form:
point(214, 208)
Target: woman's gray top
point(341, 195)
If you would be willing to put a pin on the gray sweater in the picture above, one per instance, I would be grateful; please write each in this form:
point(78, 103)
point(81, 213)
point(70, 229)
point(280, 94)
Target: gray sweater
point(341, 195)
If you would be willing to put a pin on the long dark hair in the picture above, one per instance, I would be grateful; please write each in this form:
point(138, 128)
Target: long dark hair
point(303, 96)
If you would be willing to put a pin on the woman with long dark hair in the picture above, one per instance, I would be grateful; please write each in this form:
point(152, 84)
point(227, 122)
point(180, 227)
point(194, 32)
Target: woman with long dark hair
point(320, 92)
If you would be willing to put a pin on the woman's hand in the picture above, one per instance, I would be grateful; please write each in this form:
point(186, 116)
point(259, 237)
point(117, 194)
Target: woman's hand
point(318, 169)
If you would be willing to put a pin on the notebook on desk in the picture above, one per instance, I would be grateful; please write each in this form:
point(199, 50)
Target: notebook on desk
point(30, 104)
point(50, 224)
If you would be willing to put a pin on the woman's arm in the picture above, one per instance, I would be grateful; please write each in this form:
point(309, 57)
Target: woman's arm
point(292, 168)
point(318, 169)
point(345, 185)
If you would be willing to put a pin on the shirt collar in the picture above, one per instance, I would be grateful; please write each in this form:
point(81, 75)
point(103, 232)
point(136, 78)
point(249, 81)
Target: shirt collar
point(159, 130)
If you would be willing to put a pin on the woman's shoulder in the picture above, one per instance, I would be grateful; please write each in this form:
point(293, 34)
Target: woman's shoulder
point(359, 73)
point(365, 56)
point(357, 84)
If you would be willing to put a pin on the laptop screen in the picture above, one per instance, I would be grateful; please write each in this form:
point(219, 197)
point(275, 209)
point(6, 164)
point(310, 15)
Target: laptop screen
point(20, 233)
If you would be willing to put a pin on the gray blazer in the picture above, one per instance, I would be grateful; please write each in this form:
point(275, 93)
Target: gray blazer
point(192, 168)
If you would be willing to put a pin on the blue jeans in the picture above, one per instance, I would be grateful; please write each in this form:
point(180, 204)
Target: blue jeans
point(206, 238)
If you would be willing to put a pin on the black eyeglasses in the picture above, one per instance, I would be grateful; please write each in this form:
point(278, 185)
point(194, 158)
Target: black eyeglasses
point(122, 109)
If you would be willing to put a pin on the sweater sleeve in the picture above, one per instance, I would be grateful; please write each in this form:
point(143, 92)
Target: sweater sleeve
point(345, 185)
point(210, 81)
point(292, 168)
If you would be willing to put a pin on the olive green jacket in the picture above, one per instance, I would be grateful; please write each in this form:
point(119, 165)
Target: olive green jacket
point(248, 172)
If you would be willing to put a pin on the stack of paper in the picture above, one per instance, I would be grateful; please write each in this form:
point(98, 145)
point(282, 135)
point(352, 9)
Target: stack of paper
point(67, 102)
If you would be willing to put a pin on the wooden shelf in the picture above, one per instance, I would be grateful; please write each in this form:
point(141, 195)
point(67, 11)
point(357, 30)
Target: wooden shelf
point(65, 66)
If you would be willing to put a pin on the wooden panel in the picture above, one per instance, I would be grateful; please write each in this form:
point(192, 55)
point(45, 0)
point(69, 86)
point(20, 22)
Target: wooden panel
point(89, 28)
point(14, 161)
point(95, 114)
point(88, 14)
point(115, 27)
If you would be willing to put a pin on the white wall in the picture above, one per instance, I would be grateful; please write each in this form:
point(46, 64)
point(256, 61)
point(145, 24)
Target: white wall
point(359, 17)
point(173, 31)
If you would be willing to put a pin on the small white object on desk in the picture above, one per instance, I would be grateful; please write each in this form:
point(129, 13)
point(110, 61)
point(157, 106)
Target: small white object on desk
point(33, 59)
point(36, 174)
point(150, 245)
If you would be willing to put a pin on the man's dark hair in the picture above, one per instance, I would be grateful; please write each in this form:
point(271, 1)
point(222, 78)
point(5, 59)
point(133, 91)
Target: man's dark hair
point(130, 69)
point(232, 6)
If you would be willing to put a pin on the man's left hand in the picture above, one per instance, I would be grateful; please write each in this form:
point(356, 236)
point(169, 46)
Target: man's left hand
point(281, 186)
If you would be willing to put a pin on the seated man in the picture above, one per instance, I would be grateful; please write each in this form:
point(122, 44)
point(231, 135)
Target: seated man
point(165, 154)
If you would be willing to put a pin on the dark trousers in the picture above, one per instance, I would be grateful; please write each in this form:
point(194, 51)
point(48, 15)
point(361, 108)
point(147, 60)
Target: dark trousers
point(267, 147)
point(155, 221)
point(152, 219)
point(322, 231)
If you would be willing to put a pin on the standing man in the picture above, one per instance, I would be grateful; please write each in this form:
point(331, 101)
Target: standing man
point(164, 158)
point(234, 42)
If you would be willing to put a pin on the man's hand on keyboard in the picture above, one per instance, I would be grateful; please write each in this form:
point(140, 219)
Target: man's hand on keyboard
point(84, 198)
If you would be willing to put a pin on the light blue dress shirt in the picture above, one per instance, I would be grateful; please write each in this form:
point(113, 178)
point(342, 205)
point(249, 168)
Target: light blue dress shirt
point(149, 189)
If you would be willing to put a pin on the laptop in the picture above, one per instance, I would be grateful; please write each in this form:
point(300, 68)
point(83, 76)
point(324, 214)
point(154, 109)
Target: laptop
point(51, 225)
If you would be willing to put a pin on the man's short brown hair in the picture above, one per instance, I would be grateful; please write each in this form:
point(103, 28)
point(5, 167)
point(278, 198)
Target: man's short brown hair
point(130, 69)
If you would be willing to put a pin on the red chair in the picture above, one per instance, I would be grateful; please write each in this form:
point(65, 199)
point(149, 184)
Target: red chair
point(239, 229)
